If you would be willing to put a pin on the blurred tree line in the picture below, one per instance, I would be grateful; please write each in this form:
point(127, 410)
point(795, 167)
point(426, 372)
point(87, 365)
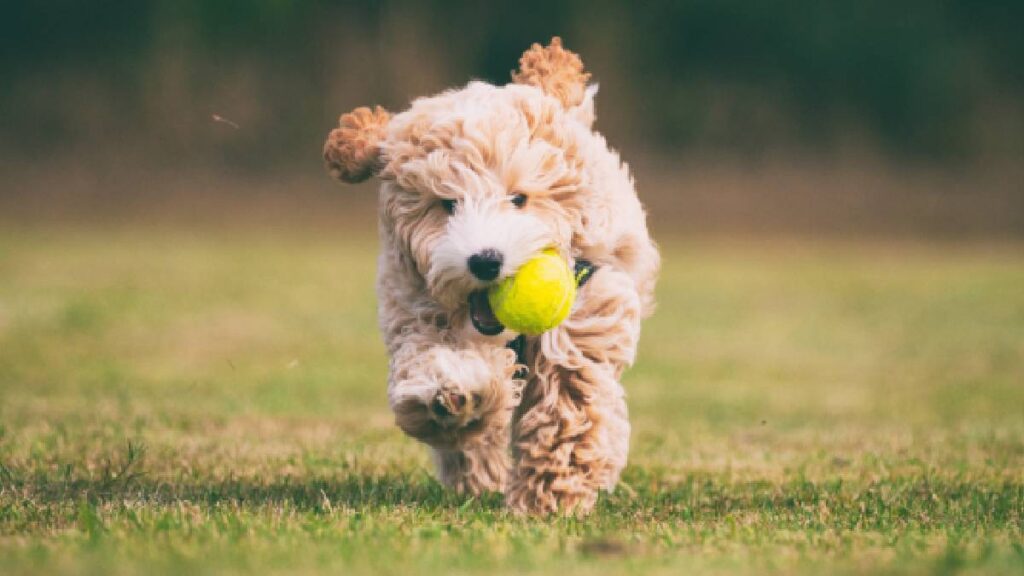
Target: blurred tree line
point(142, 79)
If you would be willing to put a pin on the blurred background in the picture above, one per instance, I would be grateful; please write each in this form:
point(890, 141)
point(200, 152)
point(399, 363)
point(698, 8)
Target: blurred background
point(190, 374)
point(880, 119)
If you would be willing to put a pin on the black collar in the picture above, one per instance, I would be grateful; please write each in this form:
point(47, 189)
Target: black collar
point(584, 270)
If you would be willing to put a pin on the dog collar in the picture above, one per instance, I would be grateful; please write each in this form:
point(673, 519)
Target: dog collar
point(582, 271)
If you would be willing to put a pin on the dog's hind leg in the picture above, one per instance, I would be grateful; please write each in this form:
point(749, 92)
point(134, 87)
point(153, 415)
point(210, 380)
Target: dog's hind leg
point(571, 434)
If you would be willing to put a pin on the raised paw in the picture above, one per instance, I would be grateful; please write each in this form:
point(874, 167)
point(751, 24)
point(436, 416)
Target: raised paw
point(450, 397)
point(453, 407)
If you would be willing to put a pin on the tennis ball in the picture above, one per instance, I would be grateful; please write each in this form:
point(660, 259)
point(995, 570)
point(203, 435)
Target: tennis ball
point(538, 297)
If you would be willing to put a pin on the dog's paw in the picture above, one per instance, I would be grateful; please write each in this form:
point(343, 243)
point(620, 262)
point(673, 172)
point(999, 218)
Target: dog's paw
point(454, 407)
point(449, 397)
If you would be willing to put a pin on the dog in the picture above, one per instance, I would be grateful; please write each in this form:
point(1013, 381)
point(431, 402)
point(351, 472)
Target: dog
point(474, 182)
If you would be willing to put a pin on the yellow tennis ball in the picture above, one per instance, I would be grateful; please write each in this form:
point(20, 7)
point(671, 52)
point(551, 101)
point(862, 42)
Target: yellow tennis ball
point(538, 297)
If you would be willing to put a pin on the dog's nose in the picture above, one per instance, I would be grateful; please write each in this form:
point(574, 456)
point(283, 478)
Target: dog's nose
point(486, 264)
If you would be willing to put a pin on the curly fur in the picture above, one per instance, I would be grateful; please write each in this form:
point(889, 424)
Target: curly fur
point(351, 150)
point(554, 70)
point(550, 442)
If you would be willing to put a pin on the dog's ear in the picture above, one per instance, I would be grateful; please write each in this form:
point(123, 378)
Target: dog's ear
point(352, 150)
point(554, 70)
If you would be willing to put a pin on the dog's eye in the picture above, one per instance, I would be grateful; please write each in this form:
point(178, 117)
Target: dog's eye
point(519, 200)
point(449, 205)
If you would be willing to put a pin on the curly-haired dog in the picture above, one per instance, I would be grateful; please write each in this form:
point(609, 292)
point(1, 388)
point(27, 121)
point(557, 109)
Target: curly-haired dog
point(475, 181)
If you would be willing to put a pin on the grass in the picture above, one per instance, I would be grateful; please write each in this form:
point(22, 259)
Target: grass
point(174, 402)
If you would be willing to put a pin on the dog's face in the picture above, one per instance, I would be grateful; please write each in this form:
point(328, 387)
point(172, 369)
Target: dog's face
point(475, 186)
point(477, 181)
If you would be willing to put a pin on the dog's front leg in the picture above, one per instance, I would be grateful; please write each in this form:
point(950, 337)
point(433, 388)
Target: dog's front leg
point(473, 469)
point(572, 431)
point(460, 402)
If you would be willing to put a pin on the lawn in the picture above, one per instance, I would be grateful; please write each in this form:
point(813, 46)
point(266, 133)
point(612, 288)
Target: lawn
point(190, 402)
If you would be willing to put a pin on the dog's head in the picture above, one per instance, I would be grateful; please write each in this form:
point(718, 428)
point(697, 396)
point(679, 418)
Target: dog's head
point(477, 180)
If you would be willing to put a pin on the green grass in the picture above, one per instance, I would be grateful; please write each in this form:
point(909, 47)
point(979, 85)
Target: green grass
point(176, 402)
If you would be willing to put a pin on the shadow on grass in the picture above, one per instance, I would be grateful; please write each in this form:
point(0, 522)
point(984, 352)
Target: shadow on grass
point(358, 491)
point(123, 477)
point(924, 502)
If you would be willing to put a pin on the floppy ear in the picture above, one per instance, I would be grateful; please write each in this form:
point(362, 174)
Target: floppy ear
point(554, 70)
point(352, 150)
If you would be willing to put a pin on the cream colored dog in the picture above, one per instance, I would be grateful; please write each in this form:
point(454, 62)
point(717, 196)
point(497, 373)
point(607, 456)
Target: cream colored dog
point(475, 181)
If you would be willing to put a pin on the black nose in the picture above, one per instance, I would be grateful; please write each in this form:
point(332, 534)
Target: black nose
point(486, 264)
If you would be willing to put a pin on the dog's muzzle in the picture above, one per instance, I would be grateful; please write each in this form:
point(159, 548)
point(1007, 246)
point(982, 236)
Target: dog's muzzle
point(482, 317)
